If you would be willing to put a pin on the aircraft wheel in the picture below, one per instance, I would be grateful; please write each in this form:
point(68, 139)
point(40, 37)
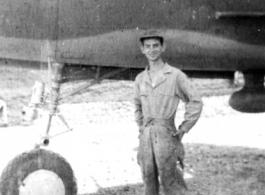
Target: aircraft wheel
point(38, 172)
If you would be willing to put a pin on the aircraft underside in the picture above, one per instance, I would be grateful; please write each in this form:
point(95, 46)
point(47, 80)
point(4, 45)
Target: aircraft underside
point(95, 40)
point(89, 39)
point(199, 55)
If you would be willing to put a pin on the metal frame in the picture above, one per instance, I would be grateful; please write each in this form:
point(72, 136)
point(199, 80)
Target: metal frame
point(56, 75)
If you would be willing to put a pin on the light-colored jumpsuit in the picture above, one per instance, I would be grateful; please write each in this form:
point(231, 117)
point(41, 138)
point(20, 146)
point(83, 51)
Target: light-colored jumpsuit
point(155, 110)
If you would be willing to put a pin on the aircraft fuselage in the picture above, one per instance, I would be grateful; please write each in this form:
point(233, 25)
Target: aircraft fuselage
point(201, 35)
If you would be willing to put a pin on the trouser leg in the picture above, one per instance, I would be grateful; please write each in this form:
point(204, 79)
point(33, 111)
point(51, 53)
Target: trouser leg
point(148, 165)
point(168, 150)
point(172, 179)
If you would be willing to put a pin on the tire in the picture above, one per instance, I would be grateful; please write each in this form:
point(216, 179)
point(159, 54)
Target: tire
point(31, 162)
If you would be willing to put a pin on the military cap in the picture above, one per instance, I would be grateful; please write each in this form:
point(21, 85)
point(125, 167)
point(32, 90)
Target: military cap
point(151, 34)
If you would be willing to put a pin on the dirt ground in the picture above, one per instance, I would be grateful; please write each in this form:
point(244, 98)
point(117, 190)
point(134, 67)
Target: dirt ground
point(225, 151)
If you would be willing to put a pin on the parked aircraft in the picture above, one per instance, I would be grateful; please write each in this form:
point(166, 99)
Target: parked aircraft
point(89, 38)
point(98, 39)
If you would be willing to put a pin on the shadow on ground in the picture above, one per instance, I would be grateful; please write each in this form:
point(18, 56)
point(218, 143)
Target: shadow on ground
point(121, 190)
point(217, 170)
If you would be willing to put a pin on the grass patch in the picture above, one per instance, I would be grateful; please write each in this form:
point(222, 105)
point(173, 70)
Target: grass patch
point(217, 171)
point(17, 83)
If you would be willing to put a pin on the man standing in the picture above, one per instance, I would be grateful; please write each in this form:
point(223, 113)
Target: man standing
point(158, 90)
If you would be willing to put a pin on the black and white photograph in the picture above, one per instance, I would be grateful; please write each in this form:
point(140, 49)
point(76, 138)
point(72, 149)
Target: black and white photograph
point(132, 97)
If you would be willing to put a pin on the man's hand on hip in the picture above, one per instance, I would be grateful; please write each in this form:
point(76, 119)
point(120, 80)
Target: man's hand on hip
point(179, 134)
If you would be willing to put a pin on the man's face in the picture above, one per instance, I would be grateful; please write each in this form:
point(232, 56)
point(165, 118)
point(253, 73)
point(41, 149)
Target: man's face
point(152, 49)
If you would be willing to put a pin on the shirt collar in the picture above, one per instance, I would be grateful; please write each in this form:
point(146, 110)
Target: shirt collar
point(166, 69)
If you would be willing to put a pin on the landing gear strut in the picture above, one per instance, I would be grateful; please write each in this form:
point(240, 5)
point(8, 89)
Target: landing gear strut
point(250, 99)
point(41, 171)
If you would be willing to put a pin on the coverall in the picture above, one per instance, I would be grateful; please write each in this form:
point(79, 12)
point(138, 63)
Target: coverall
point(155, 110)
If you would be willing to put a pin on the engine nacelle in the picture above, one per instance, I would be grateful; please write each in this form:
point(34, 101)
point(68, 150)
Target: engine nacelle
point(251, 98)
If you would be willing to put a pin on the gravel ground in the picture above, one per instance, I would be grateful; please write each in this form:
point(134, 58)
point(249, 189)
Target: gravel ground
point(122, 111)
point(103, 144)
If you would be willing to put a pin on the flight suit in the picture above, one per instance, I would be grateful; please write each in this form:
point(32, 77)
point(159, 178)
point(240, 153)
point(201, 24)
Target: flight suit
point(155, 110)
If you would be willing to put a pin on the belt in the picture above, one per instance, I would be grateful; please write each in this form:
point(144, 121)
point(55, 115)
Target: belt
point(168, 123)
